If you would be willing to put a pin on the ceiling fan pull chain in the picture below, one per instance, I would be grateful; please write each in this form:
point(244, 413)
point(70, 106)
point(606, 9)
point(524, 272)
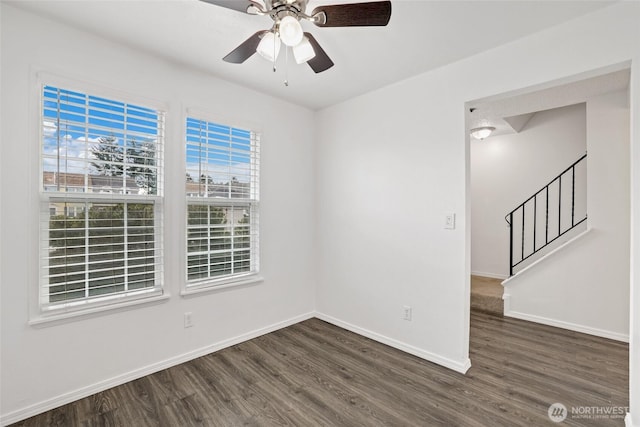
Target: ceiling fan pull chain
point(286, 66)
point(275, 40)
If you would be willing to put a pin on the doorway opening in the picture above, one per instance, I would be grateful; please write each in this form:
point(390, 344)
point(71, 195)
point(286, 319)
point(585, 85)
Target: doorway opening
point(549, 203)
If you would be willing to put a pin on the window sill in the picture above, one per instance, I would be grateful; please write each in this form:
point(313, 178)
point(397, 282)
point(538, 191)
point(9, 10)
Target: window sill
point(55, 318)
point(212, 286)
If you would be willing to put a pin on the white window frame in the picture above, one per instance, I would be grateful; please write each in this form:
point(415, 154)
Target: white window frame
point(252, 203)
point(44, 311)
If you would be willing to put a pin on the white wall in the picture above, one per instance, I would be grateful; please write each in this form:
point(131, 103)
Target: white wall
point(633, 418)
point(363, 278)
point(585, 287)
point(385, 182)
point(508, 169)
point(45, 366)
point(405, 145)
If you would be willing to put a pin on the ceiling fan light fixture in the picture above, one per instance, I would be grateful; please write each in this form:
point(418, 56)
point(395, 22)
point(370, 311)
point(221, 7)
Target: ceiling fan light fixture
point(482, 132)
point(303, 51)
point(290, 31)
point(287, 29)
point(269, 46)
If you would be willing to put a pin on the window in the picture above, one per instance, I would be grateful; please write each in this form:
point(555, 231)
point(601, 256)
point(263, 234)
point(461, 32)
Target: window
point(101, 215)
point(222, 203)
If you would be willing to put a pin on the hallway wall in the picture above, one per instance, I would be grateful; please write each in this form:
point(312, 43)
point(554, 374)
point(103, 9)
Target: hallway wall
point(585, 286)
point(507, 169)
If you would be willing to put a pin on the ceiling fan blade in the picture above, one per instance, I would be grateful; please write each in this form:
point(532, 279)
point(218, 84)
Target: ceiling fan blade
point(245, 50)
point(239, 5)
point(321, 62)
point(375, 13)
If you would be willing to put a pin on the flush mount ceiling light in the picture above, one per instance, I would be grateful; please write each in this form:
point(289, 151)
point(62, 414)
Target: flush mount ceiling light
point(286, 16)
point(482, 132)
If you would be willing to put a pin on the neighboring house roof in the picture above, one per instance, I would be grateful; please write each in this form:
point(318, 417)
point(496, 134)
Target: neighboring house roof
point(100, 181)
point(97, 183)
point(237, 189)
point(63, 179)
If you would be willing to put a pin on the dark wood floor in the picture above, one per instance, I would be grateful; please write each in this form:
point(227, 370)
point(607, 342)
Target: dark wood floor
point(315, 374)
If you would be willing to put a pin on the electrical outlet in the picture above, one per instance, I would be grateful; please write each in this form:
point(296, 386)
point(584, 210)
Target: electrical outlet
point(406, 312)
point(188, 319)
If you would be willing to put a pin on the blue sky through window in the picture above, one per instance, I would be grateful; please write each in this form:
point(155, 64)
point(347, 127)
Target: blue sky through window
point(220, 152)
point(84, 115)
point(74, 124)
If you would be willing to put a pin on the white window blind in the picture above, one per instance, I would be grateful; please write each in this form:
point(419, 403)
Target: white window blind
point(222, 202)
point(101, 214)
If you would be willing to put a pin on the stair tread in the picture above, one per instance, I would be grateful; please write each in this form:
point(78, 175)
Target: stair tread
point(486, 294)
point(486, 286)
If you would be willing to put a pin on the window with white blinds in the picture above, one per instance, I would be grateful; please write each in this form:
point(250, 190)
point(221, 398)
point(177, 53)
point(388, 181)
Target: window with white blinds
point(101, 209)
point(222, 203)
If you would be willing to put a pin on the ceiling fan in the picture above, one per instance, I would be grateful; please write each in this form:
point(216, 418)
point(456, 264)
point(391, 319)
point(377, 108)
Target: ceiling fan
point(286, 15)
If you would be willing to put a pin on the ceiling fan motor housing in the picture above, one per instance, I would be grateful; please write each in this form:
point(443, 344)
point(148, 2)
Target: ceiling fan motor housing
point(278, 9)
point(299, 5)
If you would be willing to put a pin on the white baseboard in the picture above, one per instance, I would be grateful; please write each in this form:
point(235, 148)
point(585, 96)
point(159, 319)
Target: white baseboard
point(628, 422)
point(83, 392)
point(506, 298)
point(490, 275)
point(458, 366)
point(562, 324)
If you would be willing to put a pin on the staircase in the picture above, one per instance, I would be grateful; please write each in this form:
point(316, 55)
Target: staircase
point(486, 295)
point(551, 215)
point(543, 223)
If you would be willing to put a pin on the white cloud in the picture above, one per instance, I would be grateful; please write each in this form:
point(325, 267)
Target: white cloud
point(49, 128)
point(72, 152)
point(91, 140)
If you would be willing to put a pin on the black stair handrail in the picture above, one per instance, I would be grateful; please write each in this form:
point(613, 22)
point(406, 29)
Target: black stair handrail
point(534, 197)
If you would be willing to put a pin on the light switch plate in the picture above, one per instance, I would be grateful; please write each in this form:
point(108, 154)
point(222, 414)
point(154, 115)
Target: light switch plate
point(450, 221)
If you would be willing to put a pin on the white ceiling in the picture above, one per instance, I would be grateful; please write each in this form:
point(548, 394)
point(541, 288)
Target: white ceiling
point(510, 113)
point(422, 35)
